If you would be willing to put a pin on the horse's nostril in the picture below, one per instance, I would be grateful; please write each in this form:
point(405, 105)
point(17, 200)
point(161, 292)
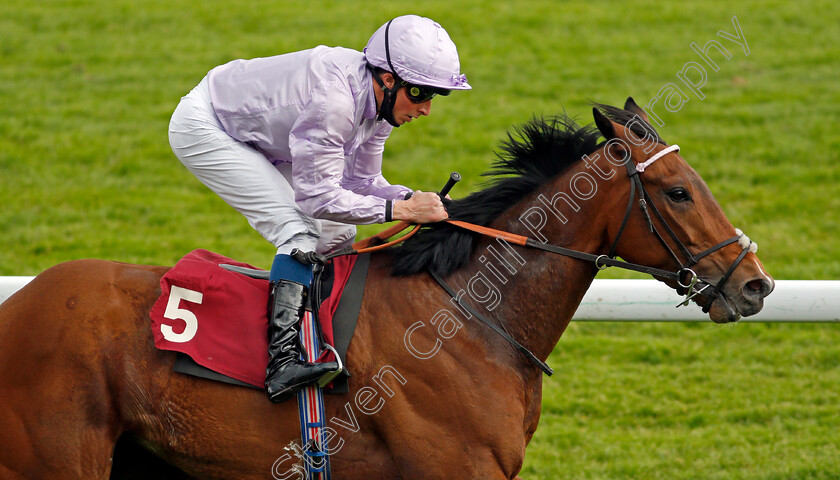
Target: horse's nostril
point(758, 288)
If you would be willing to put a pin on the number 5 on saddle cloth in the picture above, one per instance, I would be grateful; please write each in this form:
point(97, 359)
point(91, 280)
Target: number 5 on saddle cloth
point(216, 319)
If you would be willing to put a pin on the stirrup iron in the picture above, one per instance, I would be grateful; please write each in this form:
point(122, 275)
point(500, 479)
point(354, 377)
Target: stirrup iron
point(330, 376)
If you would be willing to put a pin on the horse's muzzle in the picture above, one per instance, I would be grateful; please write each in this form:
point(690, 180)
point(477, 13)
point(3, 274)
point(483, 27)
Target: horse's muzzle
point(739, 300)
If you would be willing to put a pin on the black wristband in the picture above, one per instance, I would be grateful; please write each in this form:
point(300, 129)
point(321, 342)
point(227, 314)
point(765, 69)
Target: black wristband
point(388, 211)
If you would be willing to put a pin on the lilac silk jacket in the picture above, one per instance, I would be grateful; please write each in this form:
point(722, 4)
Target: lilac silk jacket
point(316, 110)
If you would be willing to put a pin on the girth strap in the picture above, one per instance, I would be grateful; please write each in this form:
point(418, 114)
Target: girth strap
point(539, 363)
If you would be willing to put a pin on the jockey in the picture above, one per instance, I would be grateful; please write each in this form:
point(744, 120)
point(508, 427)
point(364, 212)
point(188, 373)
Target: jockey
point(294, 142)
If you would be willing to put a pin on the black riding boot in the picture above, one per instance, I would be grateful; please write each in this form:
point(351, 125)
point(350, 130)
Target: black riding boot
point(286, 373)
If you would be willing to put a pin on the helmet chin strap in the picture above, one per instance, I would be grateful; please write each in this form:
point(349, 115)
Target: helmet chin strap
point(389, 98)
point(386, 109)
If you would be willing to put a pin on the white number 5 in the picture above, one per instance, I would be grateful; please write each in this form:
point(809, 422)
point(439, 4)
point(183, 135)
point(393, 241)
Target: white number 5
point(173, 312)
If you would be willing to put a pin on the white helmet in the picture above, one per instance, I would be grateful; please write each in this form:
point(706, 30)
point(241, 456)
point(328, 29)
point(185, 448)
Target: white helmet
point(419, 51)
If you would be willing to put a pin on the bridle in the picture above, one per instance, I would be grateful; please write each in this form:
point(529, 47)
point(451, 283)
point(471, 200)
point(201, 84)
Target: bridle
point(692, 285)
point(684, 277)
point(687, 280)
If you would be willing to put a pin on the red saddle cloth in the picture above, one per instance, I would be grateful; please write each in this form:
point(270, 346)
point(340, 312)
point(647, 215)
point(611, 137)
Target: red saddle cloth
point(219, 318)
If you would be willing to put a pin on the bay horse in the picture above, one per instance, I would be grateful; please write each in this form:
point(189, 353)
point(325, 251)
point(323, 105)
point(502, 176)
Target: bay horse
point(434, 394)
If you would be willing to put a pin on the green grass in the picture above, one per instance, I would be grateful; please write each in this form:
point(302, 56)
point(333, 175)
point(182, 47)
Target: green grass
point(690, 401)
point(87, 88)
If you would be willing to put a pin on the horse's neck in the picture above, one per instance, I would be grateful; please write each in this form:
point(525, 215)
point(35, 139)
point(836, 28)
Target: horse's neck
point(535, 293)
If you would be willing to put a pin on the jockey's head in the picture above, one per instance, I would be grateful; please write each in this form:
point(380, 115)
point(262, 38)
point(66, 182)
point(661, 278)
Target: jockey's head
point(419, 55)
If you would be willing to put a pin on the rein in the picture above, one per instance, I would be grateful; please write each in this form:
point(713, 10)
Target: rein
point(692, 285)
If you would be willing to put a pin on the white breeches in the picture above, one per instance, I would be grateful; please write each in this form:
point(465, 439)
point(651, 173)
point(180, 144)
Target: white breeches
point(246, 180)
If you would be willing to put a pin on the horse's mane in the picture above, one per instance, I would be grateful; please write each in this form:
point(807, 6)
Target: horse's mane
point(532, 155)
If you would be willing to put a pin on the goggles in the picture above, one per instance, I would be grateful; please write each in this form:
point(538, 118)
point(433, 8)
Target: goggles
point(421, 93)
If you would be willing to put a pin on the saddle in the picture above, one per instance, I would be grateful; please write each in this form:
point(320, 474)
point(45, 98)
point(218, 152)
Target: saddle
point(212, 311)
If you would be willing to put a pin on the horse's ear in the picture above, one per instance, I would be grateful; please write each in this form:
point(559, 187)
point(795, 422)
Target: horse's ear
point(630, 106)
point(605, 125)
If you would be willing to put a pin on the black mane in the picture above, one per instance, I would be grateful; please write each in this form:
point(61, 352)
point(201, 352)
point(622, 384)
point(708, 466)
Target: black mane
point(535, 153)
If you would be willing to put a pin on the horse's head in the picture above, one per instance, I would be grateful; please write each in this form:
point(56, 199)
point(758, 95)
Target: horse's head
point(672, 221)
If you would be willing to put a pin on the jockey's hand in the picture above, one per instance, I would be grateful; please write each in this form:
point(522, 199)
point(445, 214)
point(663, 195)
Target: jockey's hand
point(422, 207)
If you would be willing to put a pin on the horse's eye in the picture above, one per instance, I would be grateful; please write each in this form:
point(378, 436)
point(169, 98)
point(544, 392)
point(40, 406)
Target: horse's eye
point(678, 195)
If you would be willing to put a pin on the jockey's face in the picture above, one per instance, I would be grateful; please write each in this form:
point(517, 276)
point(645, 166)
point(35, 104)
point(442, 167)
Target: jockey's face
point(404, 109)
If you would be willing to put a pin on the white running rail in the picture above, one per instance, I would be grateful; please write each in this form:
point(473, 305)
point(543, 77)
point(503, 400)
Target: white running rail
point(651, 301)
